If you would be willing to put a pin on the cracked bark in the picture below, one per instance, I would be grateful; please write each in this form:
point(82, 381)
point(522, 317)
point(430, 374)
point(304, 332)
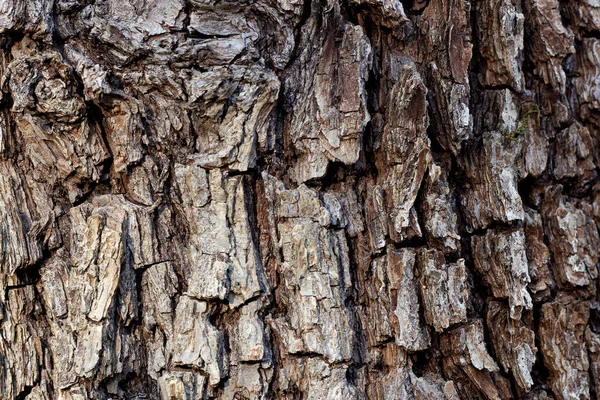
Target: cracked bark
point(364, 199)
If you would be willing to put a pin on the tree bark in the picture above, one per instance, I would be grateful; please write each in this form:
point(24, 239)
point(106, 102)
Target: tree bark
point(299, 199)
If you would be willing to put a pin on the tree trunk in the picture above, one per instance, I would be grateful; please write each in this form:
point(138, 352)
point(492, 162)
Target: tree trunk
point(316, 199)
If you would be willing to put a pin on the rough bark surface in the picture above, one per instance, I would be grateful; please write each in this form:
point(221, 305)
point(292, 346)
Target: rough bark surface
point(299, 199)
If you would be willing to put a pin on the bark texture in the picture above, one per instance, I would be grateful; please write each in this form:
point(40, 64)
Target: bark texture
point(299, 199)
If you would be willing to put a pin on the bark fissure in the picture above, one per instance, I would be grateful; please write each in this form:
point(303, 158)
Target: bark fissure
point(302, 199)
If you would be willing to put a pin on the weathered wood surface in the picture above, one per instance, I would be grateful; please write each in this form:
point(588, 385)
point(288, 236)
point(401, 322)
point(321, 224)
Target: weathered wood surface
point(299, 199)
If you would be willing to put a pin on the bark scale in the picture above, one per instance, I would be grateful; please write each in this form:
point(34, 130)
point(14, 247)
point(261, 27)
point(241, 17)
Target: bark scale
point(299, 199)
